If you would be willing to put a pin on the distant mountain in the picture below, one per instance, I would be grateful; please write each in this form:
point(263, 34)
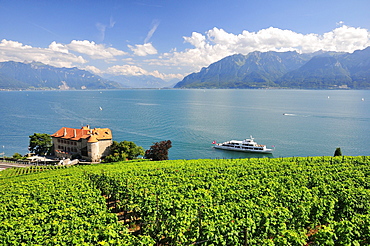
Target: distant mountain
point(358, 64)
point(319, 70)
point(17, 75)
point(143, 81)
point(257, 69)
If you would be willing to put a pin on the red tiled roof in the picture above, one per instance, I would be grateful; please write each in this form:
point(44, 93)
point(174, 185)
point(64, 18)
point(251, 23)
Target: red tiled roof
point(93, 135)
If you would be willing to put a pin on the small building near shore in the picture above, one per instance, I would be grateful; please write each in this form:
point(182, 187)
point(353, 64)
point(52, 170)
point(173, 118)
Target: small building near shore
point(85, 143)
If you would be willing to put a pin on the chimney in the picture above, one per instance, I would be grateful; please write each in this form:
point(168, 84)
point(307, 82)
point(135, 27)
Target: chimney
point(88, 126)
point(74, 133)
point(65, 132)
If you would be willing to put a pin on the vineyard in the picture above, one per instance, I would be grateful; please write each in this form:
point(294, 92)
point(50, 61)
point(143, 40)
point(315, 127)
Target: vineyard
point(10, 172)
point(278, 201)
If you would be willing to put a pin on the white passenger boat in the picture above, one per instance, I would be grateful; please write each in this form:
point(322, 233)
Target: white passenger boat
point(246, 145)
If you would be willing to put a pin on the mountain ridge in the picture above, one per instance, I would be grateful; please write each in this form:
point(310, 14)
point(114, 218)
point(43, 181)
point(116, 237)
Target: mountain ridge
point(36, 75)
point(319, 70)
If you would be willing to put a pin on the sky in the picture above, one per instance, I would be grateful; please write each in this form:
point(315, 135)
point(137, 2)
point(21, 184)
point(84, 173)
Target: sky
point(170, 39)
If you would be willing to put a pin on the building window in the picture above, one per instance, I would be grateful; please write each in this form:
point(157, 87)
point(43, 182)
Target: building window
point(84, 151)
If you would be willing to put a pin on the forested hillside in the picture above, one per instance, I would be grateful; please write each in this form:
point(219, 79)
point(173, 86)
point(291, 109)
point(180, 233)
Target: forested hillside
point(319, 70)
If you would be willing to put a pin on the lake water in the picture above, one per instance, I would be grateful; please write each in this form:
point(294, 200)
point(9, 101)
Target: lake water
point(296, 122)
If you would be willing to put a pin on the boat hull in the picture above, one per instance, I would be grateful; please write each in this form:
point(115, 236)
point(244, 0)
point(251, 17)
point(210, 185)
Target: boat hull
point(263, 151)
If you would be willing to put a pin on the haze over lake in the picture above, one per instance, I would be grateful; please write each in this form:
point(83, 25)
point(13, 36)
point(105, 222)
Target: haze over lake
point(296, 122)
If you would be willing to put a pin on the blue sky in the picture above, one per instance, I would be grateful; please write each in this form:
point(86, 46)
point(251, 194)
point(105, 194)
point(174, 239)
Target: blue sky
point(172, 38)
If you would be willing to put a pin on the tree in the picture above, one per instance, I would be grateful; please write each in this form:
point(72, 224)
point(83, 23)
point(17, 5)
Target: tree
point(40, 143)
point(338, 152)
point(123, 150)
point(17, 156)
point(158, 151)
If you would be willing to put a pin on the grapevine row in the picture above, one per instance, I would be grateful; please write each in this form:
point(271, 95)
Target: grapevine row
point(56, 208)
point(281, 201)
point(16, 171)
point(278, 202)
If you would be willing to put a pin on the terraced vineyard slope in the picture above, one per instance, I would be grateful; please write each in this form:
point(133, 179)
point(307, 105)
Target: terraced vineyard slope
point(281, 201)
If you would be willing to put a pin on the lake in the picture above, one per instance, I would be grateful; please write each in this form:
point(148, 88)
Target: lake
point(296, 122)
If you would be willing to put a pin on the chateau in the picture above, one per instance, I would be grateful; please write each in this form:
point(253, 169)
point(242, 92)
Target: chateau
point(85, 143)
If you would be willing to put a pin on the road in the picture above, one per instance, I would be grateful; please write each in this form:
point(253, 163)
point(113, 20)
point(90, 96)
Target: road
point(4, 165)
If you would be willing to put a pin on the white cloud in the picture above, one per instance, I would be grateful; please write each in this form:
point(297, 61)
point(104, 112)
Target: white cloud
point(164, 76)
point(13, 44)
point(137, 71)
point(102, 28)
point(95, 51)
point(93, 69)
point(128, 60)
point(57, 54)
point(126, 70)
point(347, 39)
point(207, 48)
point(217, 43)
point(196, 39)
point(340, 23)
point(58, 47)
point(155, 25)
point(143, 49)
point(54, 55)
